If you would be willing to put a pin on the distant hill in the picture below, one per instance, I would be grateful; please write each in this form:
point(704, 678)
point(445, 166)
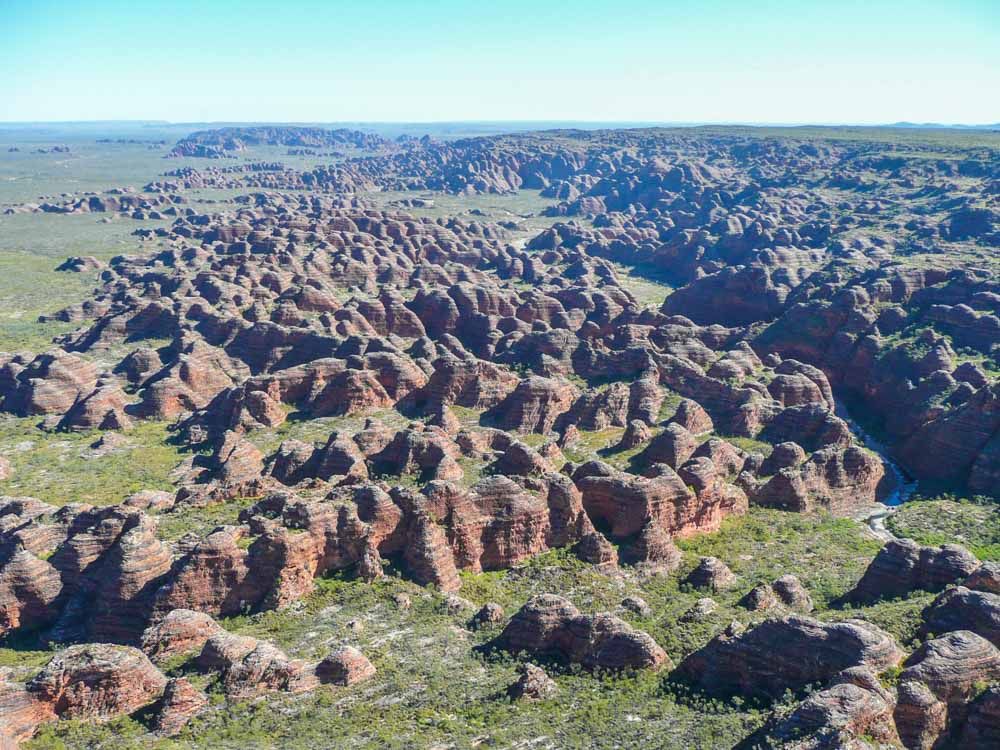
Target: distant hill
point(993, 126)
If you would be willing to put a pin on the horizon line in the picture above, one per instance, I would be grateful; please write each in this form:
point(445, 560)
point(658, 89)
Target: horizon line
point(668, 123)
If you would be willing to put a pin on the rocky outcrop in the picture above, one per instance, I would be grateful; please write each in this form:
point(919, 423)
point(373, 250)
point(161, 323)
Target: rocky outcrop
point(30, 591)
point(792, 593)
point(960, 608)
point(103, 408)
point(985, 578)
point(760, 597)
point(429, 559)
point(855, 707)
point(712, 574)
point(786, 591)
point(181, 631)
point(532, 685)
point(938, 682)
point(551, 626)
point(248, 667)
point(952, 446)
point(696, 499)
point(50, 384)
point(533, 406)
point(982, 727)
point(21, 713)
point(672, 447)
point(134, 568)
point(345, 666)
point(787, 653)
point(835, 479)
point(93, 682)
point(489, 615)
point(902, 566)
point(181, 702)
point(300, 300)
point(692, 417)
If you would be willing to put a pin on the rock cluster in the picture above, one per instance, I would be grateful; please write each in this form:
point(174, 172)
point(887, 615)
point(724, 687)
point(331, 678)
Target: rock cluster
point(549, 625)
point(787, 653)
point(494, 396)
point(100, 682)
point(902, 566)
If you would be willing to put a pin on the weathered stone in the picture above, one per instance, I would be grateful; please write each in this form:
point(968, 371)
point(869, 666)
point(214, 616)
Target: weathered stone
point(787, 653)
point(551, 625)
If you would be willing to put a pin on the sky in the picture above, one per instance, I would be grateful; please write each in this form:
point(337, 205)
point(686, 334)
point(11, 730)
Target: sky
point(753, 61)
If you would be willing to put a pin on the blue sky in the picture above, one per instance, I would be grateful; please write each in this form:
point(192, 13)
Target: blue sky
point(845, 61)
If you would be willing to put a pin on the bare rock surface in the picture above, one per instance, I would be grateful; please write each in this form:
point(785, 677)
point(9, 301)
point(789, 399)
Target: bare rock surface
point(787, 653)
point(903, 566)
point(532, 685)
point(549, 625)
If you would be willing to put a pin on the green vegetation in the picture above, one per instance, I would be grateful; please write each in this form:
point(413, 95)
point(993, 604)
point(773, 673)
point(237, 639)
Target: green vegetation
point(173, 525)
point(750, 445)
point(436, 684)
point(524, 208)
point(21, 277)
point(671, 400)
point(318, 430)
point(647, 284)
point(63, 467)
point(949, 520)
point(436, 688)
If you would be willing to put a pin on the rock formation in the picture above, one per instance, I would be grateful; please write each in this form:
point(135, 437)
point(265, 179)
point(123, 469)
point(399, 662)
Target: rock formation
point(551, 626)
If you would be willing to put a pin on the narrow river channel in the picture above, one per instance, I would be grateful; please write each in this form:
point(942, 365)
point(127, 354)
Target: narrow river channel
point(902, 486)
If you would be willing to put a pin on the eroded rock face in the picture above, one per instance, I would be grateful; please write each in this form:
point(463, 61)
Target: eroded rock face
point(792, 593)
point(550, 625)
point(181, 631)
point(680, 504)
point(985, 578)
point(248, 667)
point(700, 611)
point(672, 447)
point(534, 405)
point(953, 664)
point(489, 615)
point(902, 566)
point(787, 653)
point(345, 666)
point(135, 567)
point(303, 300)
point(50, 384)
point(982, 727)
point(960, 443)
point(840, 480)
point(711, 573)
point(98, 682)
point(428, 556)
point(853, 707)
point(214, 575)
point(760, 597)
point(532, 685)
point(108, 557)
point(103, 408)
point(21, 713)
point(181, 702)
point(939, 680)
point(29, 592)
point(963, 609)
